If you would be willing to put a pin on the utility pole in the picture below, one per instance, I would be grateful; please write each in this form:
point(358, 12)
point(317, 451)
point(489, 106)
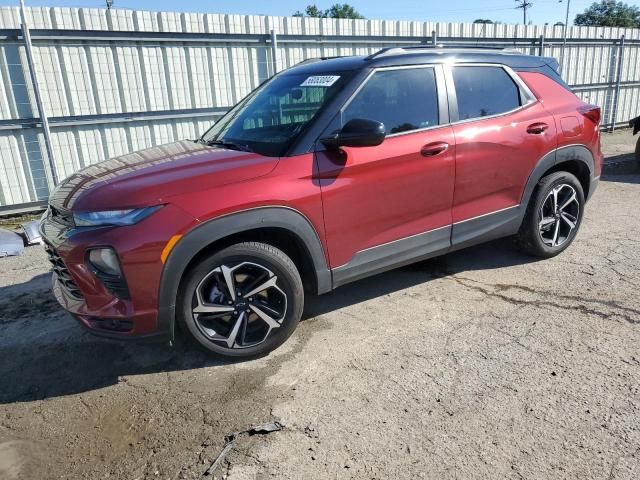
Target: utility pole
point(564, 35)
point(42, 112)
point(524, 5)
point(109, 4)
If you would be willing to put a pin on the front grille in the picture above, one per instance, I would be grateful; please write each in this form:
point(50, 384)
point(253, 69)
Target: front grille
point(61, 216)
point(62, 272)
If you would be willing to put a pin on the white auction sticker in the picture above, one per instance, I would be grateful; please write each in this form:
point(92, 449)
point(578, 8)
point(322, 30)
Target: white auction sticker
point(320, 81)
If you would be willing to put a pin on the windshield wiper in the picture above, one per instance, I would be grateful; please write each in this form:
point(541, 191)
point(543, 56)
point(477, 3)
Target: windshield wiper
point(229, 145)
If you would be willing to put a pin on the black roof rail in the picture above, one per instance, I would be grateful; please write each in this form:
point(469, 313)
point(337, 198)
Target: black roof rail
point(388, 51)
point(317, 59)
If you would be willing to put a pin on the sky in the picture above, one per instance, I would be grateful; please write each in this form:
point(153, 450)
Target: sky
point(542, 11)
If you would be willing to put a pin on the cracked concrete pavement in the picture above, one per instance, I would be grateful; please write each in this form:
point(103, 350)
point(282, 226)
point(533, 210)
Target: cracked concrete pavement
point(480, 364)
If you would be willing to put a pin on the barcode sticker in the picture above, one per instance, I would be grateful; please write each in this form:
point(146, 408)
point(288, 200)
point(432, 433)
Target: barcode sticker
point(320, 81)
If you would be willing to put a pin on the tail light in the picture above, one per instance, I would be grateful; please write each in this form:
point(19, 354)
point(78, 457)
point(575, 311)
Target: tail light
point(592, 112)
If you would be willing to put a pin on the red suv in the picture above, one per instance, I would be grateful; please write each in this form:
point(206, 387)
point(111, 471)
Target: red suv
point(331, 171)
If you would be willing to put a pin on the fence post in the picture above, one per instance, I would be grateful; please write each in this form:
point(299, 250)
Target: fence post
point(274, 51)
point(616, 96)
point(42, 113)
point(434, 38)
point(542, 45)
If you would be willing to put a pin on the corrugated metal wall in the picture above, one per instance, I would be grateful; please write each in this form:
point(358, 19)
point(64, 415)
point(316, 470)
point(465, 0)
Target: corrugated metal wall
point(110, 88)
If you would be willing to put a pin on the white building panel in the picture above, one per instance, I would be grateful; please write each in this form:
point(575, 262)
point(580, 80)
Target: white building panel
point(89, 145)
point(65, 152)
point(179, 82)
point(155, 78)
point(144, 21)
point(93, 19)
point(79, 89)
point(13, 181)
point(134, 84)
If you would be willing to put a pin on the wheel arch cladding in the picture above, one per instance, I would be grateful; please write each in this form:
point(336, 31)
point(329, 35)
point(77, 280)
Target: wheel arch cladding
point(575, 159)
point(234, 225)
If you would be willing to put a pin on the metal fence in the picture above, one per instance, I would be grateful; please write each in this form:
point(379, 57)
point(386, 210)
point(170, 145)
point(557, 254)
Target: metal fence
point(114, 81)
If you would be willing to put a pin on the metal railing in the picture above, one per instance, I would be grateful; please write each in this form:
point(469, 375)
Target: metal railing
point(70, 97)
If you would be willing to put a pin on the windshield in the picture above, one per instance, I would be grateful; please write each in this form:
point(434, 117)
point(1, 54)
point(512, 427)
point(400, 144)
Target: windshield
point(272, 116)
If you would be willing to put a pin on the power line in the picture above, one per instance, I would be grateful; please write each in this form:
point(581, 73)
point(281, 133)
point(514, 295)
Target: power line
point(524, 5)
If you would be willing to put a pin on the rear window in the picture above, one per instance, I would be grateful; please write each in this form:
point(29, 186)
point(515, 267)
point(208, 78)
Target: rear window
point(484, 91)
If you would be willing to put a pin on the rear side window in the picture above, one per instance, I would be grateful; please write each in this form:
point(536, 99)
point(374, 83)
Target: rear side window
point(484, 91)
point(403, 100)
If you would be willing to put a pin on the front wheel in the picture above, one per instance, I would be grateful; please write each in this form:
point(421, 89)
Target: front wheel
point(242, 301)
point(553, 216)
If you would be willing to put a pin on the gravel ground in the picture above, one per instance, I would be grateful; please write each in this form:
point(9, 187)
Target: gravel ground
point(480, 364)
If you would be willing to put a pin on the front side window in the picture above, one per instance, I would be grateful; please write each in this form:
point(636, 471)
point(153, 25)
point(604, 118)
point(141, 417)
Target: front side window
point(484, 91)
point(404, 100)
point(272, 116)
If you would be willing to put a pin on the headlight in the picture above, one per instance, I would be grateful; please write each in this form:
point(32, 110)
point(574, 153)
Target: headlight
point(113, 217)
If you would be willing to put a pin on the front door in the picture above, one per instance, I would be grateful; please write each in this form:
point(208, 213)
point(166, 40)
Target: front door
point(387, 203)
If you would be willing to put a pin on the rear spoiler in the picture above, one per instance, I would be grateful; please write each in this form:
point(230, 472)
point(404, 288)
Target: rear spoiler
point(635, 124)
point(552, 62)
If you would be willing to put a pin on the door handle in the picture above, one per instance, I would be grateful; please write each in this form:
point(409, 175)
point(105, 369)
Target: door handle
point(537, 128)
point(432, 149)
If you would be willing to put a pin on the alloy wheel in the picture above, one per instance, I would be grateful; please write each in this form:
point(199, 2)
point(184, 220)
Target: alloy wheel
point(558, 216)
point(238, 306)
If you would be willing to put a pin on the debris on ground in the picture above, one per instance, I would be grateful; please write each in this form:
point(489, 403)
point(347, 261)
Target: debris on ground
point(10, 243)
point(229, 440)
point(32, 233)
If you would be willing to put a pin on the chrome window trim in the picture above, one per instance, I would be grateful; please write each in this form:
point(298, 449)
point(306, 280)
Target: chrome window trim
point(487, 214)
point(527, 98)
point(446, 93)
point(404, 238)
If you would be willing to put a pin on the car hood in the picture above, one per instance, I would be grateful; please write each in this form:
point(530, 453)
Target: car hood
point(152, 176)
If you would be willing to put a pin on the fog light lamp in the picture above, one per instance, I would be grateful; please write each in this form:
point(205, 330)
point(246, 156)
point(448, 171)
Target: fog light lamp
point(105, 260)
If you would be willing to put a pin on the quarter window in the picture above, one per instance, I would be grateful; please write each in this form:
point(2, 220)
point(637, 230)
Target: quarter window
point(484, 91)
point(404, 100)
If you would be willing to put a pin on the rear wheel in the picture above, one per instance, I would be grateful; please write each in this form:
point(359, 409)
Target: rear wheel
point(553, 216)
point(243, 301)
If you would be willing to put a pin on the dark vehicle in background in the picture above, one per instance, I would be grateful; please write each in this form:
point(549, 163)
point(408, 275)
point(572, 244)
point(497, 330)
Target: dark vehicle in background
point(635, 125)
point(333, 170)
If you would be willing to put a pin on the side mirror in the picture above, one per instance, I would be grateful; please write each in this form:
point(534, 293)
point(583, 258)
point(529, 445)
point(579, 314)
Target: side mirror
point(358, 132)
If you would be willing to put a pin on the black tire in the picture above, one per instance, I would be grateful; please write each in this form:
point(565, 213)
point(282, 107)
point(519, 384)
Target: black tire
point(638, 153)
point(534, 236)
point(245, 261)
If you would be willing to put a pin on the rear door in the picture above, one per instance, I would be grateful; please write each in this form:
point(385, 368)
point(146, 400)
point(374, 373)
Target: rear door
point(393, 199)
point(501, 132)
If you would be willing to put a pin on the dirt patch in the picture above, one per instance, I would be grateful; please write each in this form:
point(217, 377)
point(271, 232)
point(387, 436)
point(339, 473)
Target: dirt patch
point(481, 364)
point(25, 305)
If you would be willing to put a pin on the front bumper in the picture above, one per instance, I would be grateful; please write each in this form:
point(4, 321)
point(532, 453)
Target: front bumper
point(139, 247)
point(107, 322)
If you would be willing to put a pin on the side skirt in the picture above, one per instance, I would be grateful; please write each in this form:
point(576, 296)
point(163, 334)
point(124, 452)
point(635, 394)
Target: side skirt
point(487, 227)
point(393, 254)
point(429, 244)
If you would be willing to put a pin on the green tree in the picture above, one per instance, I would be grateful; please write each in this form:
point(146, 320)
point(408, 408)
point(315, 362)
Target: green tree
point(484, 20)
point(609, 13)
point(338, 10)
point(310, 11)
point(342, 10)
